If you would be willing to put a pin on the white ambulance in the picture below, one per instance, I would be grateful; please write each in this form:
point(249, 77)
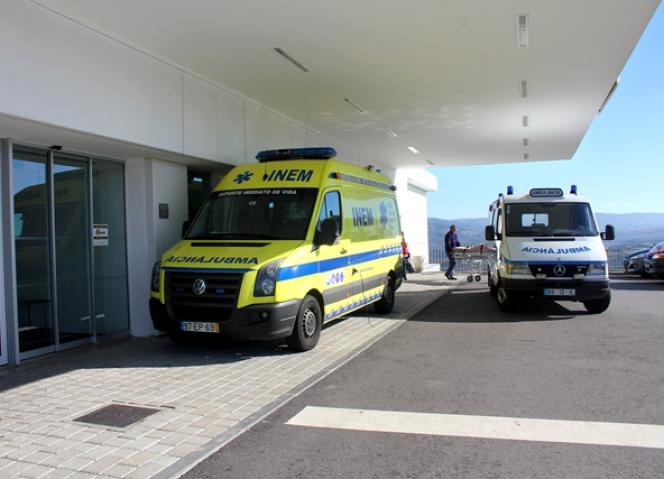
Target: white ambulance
point(547, 246)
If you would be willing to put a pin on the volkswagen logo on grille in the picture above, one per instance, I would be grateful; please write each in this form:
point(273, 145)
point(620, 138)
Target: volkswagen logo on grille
point(559, 270)
point(199, 286)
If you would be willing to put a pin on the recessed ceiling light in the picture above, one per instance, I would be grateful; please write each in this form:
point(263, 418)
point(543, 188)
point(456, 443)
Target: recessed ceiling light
point(413, 150)
point(524, 120)
point(292, 60)
point(390, 132)
point(354, 105)
point(522, 40)
point(524, 88)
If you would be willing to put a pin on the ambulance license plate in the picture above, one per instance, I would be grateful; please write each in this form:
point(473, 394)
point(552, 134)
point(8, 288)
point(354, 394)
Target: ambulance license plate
point(559, 292)
point(199, 327)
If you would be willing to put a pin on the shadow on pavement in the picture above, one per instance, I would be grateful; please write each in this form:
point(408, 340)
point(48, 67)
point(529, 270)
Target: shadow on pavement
point(471, 303)
point(152, 352)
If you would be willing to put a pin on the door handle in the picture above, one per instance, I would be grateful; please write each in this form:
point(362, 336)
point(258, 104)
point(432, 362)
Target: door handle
point(343, 251)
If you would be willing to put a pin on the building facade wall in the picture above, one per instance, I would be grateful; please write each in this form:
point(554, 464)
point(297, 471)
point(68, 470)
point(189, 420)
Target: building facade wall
point(412, 187)
point(61, 73)
point(66, 84)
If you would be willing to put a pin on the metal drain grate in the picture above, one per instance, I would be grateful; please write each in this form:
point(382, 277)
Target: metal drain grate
point(117, 415)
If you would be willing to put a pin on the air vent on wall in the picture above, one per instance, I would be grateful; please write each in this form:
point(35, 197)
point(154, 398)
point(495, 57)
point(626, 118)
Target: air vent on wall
point(390, 132)
point(522, 40)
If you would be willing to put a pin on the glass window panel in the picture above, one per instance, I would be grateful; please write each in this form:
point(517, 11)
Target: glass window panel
point(110, 264)
point(72, 239)
point(33, 286)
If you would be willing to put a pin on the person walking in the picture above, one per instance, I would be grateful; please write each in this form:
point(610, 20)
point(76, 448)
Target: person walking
point(407, 268)
point(451, 242)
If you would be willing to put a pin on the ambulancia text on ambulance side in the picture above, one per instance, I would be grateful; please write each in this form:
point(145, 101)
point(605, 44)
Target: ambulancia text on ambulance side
point(547, 246)
point(280, 247)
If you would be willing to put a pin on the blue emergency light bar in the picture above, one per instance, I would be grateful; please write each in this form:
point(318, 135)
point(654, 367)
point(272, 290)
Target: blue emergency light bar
point(546, 192)
point(572, 190)
point(317, 153)
point(510, 190)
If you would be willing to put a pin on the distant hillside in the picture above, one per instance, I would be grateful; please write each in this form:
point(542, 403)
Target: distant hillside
point(630, 228)
point(635, 227)
point(470, 230)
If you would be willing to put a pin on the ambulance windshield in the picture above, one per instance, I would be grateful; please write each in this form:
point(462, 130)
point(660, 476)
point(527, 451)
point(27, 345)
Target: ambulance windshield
point(274, 214)
point(549, 219)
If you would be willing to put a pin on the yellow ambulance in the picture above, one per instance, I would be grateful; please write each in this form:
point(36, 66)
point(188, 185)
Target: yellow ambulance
point(279, 248)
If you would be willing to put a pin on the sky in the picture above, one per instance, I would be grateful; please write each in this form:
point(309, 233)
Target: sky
point(619, 164)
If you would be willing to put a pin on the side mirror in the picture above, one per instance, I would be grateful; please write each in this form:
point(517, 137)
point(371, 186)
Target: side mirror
point(489, 233)
point(185, 227)
point(609, 233)
point(328, 232)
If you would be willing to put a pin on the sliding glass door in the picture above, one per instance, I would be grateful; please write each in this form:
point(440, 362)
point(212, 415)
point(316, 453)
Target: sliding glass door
point(70, 250)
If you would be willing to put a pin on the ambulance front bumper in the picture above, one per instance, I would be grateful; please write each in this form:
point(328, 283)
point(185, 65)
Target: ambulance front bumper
point(256, 322)
point(583, 290)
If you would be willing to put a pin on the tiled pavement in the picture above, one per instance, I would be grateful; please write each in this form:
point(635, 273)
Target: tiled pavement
point(206, 395)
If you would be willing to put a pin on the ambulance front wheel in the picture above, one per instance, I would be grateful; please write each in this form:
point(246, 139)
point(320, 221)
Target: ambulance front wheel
point(596, 306)
point(308, 325)
point(385, 304)
point(505, 302)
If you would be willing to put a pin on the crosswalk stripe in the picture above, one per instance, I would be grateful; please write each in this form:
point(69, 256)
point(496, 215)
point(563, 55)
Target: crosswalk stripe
point(490, 427)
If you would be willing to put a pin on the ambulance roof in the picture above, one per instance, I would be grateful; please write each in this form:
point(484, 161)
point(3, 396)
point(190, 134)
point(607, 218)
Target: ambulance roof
point(294, 168)
point(547, 195)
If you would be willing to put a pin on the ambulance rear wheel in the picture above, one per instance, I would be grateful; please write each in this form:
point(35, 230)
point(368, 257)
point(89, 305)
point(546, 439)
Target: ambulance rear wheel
point(385, 304)
point(308, 325)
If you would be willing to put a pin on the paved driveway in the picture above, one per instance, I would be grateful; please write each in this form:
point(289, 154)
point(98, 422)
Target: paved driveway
point(464, 391)
point(203, 396)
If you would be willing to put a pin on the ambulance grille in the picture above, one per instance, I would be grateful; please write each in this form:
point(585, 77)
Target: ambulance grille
point(551, 269)
point(216, 303)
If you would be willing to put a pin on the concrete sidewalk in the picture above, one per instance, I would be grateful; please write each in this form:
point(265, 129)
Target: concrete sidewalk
point(204, 395)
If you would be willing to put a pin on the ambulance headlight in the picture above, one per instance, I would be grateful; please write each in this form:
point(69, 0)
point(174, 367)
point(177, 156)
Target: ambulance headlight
point(266, 279)
point(517, 268)
point(597, 269)
point(154, 282)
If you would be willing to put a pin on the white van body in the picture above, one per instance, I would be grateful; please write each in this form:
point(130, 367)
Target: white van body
point(547, 246)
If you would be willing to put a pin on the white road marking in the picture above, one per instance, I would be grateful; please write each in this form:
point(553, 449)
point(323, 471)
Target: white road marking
point(490, 427)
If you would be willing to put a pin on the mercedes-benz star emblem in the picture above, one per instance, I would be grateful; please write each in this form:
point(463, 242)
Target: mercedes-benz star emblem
point(559, 270)
point(199, 286)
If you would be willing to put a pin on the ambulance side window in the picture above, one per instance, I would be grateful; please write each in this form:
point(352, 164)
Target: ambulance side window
point(330, 208)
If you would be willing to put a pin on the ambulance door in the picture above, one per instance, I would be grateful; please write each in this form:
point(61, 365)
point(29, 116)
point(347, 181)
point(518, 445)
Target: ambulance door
point(494, 254)
point(333, 259)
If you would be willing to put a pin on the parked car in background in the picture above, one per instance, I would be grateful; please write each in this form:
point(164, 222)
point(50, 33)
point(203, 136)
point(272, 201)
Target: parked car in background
point(634, 262)
point(654, 260)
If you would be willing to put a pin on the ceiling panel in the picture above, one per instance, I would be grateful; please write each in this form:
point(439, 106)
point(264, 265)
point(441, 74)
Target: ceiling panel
point(445, 75)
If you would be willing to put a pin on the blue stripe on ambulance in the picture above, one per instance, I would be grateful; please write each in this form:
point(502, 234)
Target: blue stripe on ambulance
point(306, 269)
